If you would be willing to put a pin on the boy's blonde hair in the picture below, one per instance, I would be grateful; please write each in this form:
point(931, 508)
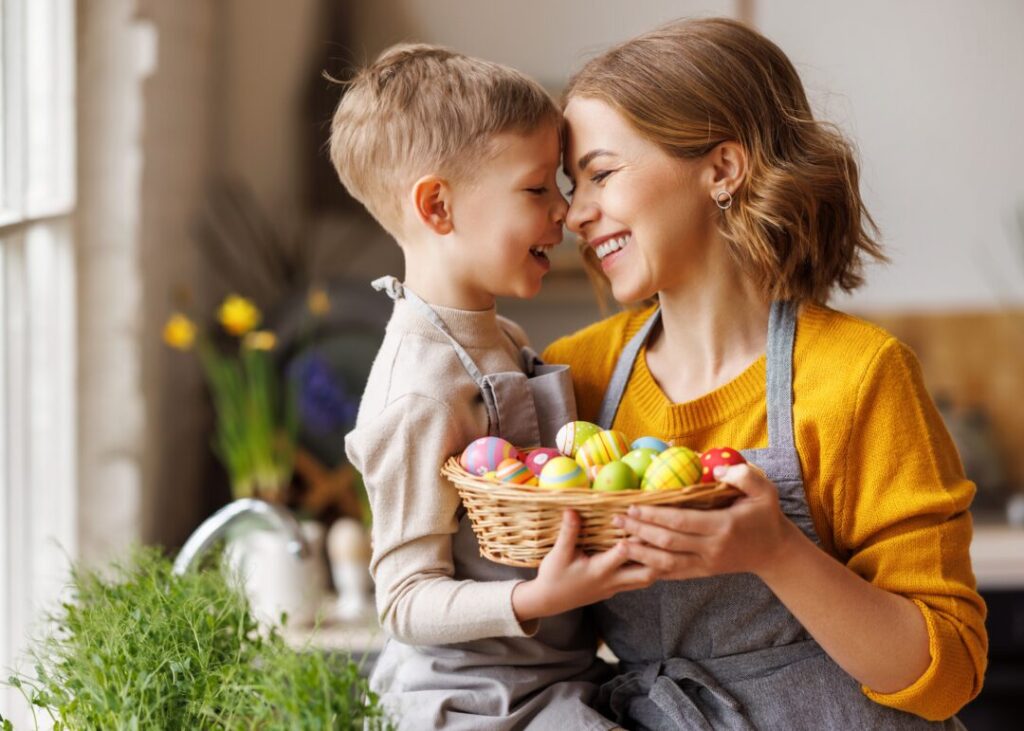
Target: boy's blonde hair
point(421, 109)
point(797, 224)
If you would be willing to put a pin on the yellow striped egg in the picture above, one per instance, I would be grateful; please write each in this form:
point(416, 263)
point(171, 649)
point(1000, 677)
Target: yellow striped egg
point(563, 472)
point(675, 467)
point(572, 435)
point(515, 472)
point(602, 448)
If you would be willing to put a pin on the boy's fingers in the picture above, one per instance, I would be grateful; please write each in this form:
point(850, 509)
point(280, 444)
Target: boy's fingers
point(608, 561)
point(565, 543)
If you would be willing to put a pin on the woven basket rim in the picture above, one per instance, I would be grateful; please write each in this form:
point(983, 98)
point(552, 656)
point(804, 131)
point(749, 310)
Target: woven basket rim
point(569, 496)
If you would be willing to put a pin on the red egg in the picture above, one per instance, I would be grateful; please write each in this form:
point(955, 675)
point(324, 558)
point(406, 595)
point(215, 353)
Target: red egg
point(718, 456)
point(537, 458)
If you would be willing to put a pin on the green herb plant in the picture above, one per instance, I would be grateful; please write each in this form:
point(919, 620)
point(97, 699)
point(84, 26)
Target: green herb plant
point(146, 649)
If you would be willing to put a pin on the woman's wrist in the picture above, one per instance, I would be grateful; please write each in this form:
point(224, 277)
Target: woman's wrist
point(789, 550)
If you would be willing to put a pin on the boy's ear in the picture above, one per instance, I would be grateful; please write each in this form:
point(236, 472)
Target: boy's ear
point(432, 203)
point(727, 167)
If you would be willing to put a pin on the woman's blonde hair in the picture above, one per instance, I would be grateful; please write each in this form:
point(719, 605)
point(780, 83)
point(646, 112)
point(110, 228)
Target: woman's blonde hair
point(797, 223)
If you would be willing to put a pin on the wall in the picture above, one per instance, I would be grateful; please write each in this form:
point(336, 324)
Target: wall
point(932, 93)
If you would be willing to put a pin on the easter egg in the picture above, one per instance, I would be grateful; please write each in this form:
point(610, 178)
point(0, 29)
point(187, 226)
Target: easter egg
point(675, 467)
point(571, 436)
point(485, 454)
point(563, 472)
point(718, 456)
point(640, 459)
point(592, 471)
point(602, 448)
point(537, 458)
point(492, 476)
point(514, 472)
point(649, 443)
point(616, 476)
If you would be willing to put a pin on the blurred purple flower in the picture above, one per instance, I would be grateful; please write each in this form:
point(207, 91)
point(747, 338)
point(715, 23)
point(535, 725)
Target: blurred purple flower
point(324, 403)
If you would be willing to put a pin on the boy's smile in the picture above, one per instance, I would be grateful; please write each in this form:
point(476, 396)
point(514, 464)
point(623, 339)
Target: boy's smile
point(510, 215)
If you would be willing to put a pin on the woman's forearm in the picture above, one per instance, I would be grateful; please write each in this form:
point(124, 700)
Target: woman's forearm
point(878, 637)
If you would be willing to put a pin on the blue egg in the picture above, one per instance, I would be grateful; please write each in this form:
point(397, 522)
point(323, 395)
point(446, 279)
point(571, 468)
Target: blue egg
point(649, 443)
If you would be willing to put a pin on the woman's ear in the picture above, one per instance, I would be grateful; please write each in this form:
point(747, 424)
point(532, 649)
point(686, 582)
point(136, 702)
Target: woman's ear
point(432, 203)
point(727, 167)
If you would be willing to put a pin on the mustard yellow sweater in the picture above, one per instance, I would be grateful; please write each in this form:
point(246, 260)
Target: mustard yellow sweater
point(883, 480)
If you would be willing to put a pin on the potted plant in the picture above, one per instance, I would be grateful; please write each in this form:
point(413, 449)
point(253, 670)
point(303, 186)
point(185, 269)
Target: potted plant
point(255, 437)
point(149, 649)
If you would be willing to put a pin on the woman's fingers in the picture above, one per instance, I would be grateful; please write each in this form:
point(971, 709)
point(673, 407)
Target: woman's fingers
point(746, 477)
point(681, 520)
point(655, 535)
point(668, 565)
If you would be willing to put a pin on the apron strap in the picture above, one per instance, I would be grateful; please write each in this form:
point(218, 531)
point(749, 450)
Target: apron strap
point(779, 379)
point(623, 369)
point(779, 386)
point(396, 291)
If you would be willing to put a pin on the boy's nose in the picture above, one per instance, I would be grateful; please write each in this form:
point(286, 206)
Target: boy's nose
point(561, 208)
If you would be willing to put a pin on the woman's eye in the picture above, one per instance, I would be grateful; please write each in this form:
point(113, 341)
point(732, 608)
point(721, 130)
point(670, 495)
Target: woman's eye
point(600, 175)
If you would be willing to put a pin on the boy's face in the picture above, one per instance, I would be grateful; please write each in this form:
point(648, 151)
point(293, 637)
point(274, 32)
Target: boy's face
point(510, 215)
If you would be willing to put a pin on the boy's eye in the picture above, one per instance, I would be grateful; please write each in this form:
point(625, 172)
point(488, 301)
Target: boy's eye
point(537, 191)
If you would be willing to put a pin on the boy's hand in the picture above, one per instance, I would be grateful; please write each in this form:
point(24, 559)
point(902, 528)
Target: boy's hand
point(568, 578)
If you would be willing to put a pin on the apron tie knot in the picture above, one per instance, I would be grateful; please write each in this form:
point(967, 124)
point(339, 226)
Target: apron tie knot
point(673, 686)
point(390, 286)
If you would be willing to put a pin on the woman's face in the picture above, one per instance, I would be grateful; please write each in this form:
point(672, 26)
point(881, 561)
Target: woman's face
point(649, 217)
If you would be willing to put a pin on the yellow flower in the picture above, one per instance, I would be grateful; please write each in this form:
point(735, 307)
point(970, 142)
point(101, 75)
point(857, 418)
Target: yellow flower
point(318, 302)
point(179, 332)
point(238, 315)
point(260, 340)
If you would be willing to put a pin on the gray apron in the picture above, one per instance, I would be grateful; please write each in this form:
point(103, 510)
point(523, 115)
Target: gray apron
point(542, 682)
point(723, 652)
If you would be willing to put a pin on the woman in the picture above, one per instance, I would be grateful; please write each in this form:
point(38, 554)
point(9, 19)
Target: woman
point(838, 592)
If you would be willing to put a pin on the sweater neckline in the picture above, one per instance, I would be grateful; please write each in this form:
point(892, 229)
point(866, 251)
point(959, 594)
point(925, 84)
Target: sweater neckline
point(471, 328)
point(712, 408)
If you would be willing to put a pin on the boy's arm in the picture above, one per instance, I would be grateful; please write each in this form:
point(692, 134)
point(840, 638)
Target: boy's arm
point(400, 453)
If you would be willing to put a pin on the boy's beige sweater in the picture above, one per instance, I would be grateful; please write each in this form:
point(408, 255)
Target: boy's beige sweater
point(420, 406)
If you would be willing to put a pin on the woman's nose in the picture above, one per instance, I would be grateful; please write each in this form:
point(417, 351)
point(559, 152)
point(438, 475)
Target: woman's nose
point(580, 214)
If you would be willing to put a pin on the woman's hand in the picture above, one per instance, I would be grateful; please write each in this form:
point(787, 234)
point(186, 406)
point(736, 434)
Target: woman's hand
point(567, 578)
point(750, 535)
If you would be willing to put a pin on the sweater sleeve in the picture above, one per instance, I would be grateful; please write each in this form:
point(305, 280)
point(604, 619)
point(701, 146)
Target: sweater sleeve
point(400, 453)
point(902, 521)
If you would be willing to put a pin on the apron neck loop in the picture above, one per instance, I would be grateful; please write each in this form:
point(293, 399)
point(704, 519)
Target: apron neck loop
point(396, 291)
point(779, 378)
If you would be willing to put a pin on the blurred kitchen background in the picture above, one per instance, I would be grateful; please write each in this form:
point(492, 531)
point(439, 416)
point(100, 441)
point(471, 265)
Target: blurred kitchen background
point(157, 156)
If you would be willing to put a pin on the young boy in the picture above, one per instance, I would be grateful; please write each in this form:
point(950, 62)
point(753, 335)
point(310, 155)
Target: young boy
point(456, 158)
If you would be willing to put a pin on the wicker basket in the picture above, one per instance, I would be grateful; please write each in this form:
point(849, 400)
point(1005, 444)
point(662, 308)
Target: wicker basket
point(516, 525)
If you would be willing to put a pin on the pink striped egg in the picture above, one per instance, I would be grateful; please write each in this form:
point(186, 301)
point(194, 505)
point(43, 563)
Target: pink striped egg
point(486, 453)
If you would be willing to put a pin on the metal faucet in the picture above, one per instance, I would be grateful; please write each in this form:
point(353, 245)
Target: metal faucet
point(214, 527)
